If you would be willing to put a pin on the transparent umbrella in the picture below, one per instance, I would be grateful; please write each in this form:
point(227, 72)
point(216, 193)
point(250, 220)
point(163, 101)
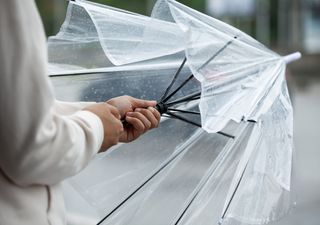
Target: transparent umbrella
point(238, 172)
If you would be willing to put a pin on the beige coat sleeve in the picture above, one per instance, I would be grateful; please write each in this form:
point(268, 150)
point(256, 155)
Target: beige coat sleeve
point(69, 108)
point(42, 142)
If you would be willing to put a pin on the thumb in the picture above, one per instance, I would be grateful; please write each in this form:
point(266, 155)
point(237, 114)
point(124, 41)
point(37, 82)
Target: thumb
point(140, 103)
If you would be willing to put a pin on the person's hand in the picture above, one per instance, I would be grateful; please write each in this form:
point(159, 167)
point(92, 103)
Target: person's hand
point(112, 124)
point(139, 122)
point(127, 104)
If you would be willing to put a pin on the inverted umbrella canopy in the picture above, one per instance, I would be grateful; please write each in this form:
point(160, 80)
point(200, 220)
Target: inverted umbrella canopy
point(242, 80)
point(180, 174)
point(105, 34)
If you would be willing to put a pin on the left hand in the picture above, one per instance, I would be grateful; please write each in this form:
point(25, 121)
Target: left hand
point(126, 104)
point(140, 115)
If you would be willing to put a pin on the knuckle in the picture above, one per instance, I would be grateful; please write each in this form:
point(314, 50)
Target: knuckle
point(148, 125)
point(143, 112)
point(148, 113)
point(142, 126)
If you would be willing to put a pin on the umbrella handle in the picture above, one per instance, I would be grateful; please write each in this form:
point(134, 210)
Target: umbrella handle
point(292, 57)
point(161, 107)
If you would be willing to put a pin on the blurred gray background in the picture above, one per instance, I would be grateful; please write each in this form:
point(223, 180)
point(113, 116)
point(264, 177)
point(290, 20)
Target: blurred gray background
point(284, 26)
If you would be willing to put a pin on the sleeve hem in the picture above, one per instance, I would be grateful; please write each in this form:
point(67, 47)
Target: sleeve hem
point(97, 127)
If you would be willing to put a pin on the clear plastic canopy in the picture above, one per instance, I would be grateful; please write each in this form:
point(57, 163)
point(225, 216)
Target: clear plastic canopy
point(242, 82)
point(96, 36)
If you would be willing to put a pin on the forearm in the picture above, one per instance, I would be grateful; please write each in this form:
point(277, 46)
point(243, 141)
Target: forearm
point(69, 108)
point(38, 144)
point(61, 147)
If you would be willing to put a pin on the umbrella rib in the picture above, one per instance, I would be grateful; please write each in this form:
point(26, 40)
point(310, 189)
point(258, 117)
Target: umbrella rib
point(226, 135)
point(183, 119)
point(173, 80)
point(233, 194)
point(198, 191)
point(190, 97)
point(145, 182)
point(216, 54)
point(187, 207)
point(165, 99)
point(183, 100)
point(175, 116)
point(178, 88)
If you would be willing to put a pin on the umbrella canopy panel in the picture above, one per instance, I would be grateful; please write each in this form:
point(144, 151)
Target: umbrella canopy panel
point(109, 36)
point(171, 173)
point(147, 81)
point(179, 174)
point(113, 176)
point(169, 164)
point(169, 195)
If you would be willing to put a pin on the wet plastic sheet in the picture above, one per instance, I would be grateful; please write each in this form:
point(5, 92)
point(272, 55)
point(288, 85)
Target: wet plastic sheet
point(165, 198)
point(120, 172)
point(113, 176)
point(105, 34)
point(235, 70)
point(251, 203)
point(187, 176)
point(174, 190)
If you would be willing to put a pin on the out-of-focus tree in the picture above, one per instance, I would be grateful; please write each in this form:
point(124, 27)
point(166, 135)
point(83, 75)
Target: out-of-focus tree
point(46, 12)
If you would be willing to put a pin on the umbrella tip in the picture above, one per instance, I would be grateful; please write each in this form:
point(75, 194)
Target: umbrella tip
point(292, 57)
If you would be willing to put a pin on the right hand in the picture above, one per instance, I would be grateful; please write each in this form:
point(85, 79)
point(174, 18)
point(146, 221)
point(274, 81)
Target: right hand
point(112, 124)
point(139, 122)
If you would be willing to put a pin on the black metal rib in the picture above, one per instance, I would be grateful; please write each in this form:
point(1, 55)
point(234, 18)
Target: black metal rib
point(216, 54)
point(226, 135)
point(173, 80)
point(183, 100)
point(145, 182)
point(187, 207)
point(175, 116)
point(183, 119)
point(233, 194)
point(190, 97)
point(176, 90)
